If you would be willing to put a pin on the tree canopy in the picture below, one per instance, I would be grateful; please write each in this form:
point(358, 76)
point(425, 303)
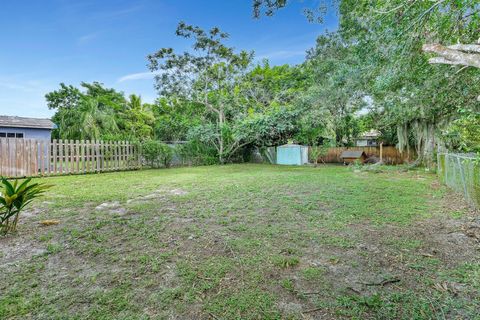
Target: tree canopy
point(408, 69)
point(97, 112)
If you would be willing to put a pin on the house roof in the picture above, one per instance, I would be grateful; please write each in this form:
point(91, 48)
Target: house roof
point(370, 134)
point(22, 122)
point(352, 154)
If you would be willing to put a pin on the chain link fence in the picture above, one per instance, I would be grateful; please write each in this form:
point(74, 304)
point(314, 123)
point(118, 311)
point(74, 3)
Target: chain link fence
point(461, 172)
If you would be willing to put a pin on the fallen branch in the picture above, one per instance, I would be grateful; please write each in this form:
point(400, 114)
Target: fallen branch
point(354, 290)
point(383, 282)
point(312, 310)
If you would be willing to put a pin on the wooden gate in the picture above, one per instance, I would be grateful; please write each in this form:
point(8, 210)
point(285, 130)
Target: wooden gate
point(30, 157)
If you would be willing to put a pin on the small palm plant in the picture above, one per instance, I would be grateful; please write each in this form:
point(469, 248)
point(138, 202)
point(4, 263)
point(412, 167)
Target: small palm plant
point(14, 197)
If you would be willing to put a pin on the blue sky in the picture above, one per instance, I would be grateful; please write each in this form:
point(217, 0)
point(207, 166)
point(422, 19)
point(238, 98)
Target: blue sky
point(44, 43)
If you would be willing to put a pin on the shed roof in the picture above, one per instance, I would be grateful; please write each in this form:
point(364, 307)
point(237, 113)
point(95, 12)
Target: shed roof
point(22, 122)
point(290, 145)
point(353, 154)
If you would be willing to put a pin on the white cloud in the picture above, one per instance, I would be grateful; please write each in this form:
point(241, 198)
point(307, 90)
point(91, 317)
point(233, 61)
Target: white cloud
point(138, 76)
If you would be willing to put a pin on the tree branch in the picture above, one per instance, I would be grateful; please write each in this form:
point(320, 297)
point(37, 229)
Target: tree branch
point(440, 60)
point(453, 56)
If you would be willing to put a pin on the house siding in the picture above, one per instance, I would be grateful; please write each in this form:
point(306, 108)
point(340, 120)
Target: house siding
point(30, 133)
point(366, 142)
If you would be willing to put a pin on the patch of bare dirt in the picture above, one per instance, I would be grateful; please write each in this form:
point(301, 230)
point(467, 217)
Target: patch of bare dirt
point(178, 192)
point(107, 206)
point(112, 207)
point(31, 213)
point(158, 194)
point(16, 249)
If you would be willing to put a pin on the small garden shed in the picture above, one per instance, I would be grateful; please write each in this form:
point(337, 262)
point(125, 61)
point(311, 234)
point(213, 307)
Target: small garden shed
point(292, 154)
point(350, 156)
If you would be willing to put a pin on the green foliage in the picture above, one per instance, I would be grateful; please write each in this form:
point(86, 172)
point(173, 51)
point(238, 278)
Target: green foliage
point(99, 113)
point(314, 13)
point(312, 273)
point(156, 153)
point(207, 78)
point(285, 261)
point(270, 128)
point(269, 154)
point(464, 132)
point(14, 198)
point(372, 74)
point(173, 119)
point(316, 153)
point(265, 87)
point(357, 165)
point(408, 93)
point(369, 74)
point(195, 152)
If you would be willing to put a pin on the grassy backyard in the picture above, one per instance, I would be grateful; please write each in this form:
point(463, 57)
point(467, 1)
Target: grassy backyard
point(243, 242)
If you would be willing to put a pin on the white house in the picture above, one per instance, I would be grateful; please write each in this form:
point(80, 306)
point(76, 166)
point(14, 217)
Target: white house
point(368, 139)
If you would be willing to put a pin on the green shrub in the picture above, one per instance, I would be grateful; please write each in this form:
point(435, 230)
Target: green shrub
point(157, 153)
point(197, 153)
point(14, 198)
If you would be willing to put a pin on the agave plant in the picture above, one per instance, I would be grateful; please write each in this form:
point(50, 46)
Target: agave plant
point(14, 197)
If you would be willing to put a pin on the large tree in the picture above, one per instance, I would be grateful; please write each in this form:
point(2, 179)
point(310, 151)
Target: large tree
point(94, 112)
point(208, 77)
point(423, 102)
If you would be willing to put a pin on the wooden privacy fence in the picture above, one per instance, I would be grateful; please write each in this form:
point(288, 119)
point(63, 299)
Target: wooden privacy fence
point(391, 155)
point(30, 157)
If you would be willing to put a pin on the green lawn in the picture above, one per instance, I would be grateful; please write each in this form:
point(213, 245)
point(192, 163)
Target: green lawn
point(243, 242)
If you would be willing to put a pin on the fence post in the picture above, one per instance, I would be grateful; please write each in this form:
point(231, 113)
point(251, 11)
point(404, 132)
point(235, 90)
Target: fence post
point(35, 159)
point(102, 155)
point(128, 155)
point(381, 151)
point(19, 168)
point(117, 155)
point(41, 157)
point(138, 149)
point(462, 174)
point(97, 155)
point(77, 156)
point(3, 154)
